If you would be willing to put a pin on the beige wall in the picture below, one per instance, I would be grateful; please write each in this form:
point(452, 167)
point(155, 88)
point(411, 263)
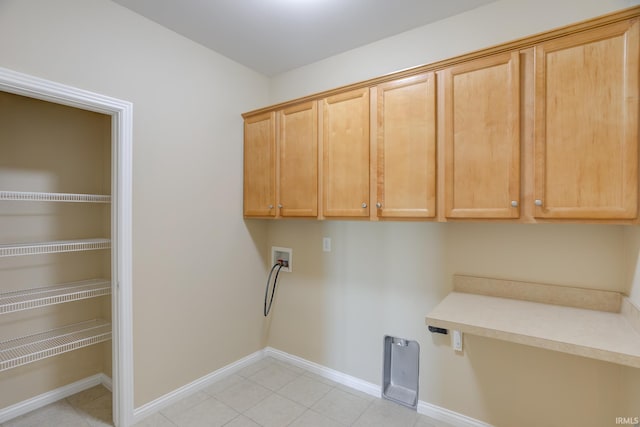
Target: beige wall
point(197, 274)
point(382, 278)
point(631, 387)
point(632, 273)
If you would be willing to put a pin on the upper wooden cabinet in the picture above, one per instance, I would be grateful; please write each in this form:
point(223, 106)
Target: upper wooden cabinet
point(298, 161)
point(481, 135)
point(345, 154)
point(406, 148)
point(586, 124)
point(540, 129)
point(260, 165)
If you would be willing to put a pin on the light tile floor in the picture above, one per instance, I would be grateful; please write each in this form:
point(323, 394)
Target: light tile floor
point(268, 393)
point(89, 408)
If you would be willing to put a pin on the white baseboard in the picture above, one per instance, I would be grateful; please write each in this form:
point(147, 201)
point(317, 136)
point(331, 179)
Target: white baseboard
point(456, 419)
point(170, 398)
point(44, 399)
point(436, 412)
point(106, 382)
point(323, 371)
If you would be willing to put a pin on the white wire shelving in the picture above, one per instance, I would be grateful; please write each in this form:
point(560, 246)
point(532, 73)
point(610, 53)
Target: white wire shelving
point(23, 350)
point(54, 247)
point(40, 297)
point(30, 196)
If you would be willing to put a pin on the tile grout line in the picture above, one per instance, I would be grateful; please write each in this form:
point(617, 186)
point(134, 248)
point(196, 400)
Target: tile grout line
point(82, 416)
point(82, 413)
point(272, 393)
point(362, 413)
point(167, 418)
point(228, 406)
point(309, 408)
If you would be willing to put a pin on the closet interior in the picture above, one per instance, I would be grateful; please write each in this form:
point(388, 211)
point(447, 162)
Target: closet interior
point(55, 240)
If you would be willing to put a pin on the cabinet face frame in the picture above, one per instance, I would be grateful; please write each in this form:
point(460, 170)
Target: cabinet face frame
point(511, 192)
point(404, 185)
point(627, 182)
point(259, 195)
point(297, 148)
point(345, 154)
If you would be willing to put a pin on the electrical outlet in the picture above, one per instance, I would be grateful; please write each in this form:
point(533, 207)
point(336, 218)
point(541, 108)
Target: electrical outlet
point(456, 340)
point(326, 244)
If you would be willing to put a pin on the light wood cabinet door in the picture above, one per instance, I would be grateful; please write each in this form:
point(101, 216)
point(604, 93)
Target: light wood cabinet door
point(406, 148)
point(586, 124)
point(482, 138)
point(260, 165)
point(345, 154)
point(298, 166)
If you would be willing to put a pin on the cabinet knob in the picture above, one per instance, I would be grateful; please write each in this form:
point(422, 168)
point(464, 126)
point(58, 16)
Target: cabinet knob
point(538, 202)
point(279, 205)
point(270, 206)
point(379, 205)
point(364, 205)
point(514, 203)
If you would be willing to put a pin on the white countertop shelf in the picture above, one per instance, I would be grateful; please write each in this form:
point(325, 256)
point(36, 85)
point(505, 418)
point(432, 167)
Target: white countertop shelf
point(30, 196)
point(23, 350)
point(603, 335)
point(54, 247)
point(40, 297)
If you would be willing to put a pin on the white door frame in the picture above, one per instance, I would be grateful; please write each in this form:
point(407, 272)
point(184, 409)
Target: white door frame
point(121, 113)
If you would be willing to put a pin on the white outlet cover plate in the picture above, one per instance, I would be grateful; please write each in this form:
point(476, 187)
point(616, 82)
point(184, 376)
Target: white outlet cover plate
point(456, 339)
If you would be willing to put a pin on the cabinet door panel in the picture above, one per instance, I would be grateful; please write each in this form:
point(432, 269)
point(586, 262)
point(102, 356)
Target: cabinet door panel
point(586, 143)
point(482, 138)
point(346, 154)
point(298, 153)
point(406, 148)
point(259, 165)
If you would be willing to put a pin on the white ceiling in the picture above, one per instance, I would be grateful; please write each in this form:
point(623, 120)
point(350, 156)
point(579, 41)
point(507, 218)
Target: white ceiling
point(273, 36)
